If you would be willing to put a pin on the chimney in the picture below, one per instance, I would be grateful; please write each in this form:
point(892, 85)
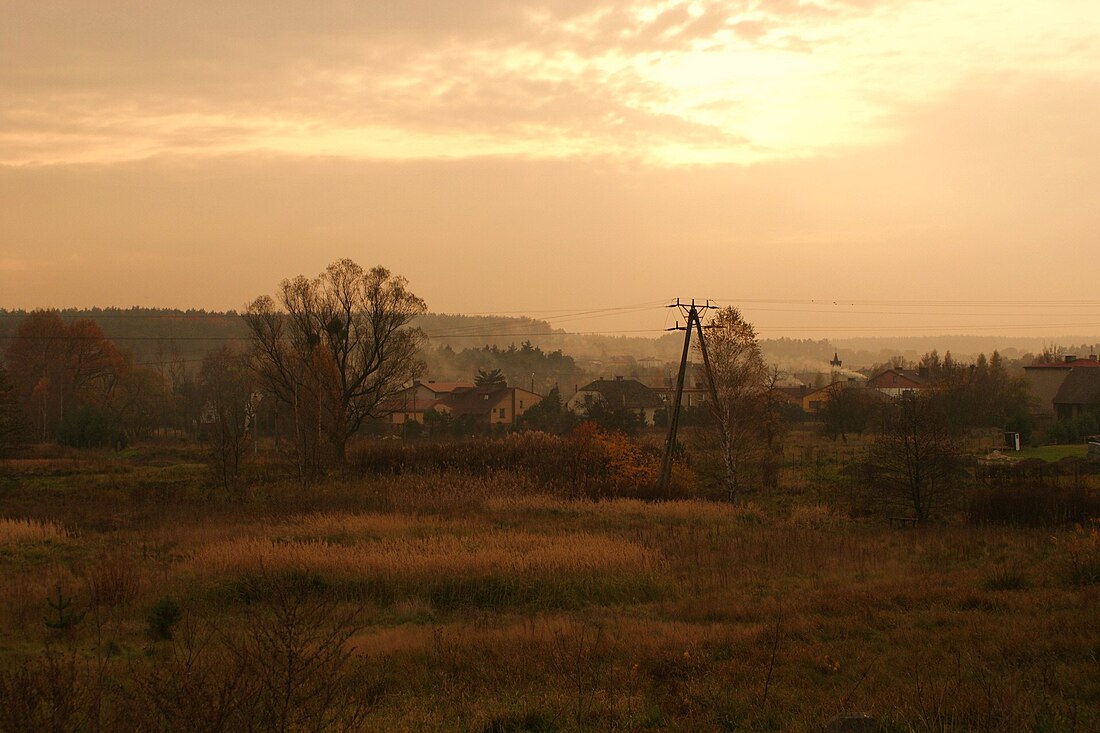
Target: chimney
point(1092, 357)
point(922, 372)
point(1070, 358)
point(618, 378)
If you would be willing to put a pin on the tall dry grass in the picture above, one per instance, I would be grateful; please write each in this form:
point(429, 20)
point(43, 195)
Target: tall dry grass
point(494, 567)
point(686, 510)
point(29, 530)
point(496, 602)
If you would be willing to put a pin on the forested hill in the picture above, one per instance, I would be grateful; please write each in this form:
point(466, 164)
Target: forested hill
point(459, 331)
point(158, 334)
point(152, 334)
point(167, 324)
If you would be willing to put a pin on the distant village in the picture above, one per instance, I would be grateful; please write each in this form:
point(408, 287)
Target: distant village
point(1060, 387)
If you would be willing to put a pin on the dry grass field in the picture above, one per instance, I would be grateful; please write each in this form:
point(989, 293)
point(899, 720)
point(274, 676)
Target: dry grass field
point(490, 603)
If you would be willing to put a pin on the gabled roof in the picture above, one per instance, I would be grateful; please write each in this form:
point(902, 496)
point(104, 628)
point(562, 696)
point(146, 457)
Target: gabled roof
point(827, 389)
point(476, 401)
point(1081, 387)
point(445, 387)
point(480, 400)
point(629, 393)
point(911, 375)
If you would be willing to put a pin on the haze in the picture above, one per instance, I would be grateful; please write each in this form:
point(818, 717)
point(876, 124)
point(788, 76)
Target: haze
point(845, 167)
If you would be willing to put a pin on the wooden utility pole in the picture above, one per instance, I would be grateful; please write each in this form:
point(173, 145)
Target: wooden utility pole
point(691, 312)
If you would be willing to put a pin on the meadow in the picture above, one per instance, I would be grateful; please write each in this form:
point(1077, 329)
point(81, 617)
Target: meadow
point(138, 597)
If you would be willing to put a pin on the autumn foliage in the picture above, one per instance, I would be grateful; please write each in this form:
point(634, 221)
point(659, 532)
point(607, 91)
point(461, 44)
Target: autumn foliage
point(73, 384)
point(57, 368)
point(588, 462)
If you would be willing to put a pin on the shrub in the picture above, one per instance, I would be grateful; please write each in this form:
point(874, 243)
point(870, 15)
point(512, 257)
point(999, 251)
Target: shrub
point(1033, 506)
point(590, 461)
point(89, 427)
point(115, 581)
point(1080, 553)
point(51, 692)
point(1006, 578)
point(160, 619)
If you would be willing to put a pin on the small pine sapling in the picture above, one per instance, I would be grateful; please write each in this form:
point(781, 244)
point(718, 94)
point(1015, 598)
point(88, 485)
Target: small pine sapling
point(66, 616)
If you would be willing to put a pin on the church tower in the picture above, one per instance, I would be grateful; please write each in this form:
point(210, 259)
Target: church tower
point(834, 376)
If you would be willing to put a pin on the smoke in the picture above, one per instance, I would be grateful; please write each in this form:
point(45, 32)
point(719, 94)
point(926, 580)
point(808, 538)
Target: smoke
point(797, 365)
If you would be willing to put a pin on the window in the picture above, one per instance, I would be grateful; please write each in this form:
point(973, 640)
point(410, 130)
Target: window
point(521, 404)
point(500, 413)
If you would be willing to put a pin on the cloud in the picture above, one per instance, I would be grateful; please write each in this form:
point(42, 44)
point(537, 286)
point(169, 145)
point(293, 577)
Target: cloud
point(670, 81)
point(124, 78)
point(988, 196)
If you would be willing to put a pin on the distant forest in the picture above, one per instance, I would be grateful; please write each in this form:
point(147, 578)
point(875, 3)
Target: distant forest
point(459, 344)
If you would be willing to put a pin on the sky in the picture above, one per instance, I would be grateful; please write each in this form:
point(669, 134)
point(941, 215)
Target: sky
point(833, 167)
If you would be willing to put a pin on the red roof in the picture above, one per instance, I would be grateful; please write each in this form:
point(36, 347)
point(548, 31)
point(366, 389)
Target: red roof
point(446, 387)
point(898, 378)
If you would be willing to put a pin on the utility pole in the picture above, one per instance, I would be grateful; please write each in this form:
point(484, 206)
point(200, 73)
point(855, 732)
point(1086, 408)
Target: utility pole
point(691, 312)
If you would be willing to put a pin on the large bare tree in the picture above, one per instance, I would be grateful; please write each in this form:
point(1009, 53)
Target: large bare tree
point(336, 348)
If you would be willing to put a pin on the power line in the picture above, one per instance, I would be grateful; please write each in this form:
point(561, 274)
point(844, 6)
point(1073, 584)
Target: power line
point(245, 338)
point(828, 302)
point(121, 314)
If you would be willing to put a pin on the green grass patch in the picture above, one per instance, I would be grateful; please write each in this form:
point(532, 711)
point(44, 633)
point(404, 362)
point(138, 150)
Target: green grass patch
point(1052, 453)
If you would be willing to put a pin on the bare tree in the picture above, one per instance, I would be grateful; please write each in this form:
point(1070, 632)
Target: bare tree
point(336, 348)
point(229, 409)
point(737, 378)
point(917, 458)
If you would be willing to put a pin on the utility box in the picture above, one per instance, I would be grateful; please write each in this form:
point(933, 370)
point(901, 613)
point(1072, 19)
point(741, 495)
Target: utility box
point(1012, 441)
point(1093, 442)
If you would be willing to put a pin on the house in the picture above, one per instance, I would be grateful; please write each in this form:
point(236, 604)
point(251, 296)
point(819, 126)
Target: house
point(399, 412)
point(814, 400)
point(692, 396)
point(411, 403)
point(490, 406)
point(433, 390)
point(618, 393)
point(1078, 395)
point(696, 392)
point(897, 382)
point(790, 395)
point(1046, 380)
